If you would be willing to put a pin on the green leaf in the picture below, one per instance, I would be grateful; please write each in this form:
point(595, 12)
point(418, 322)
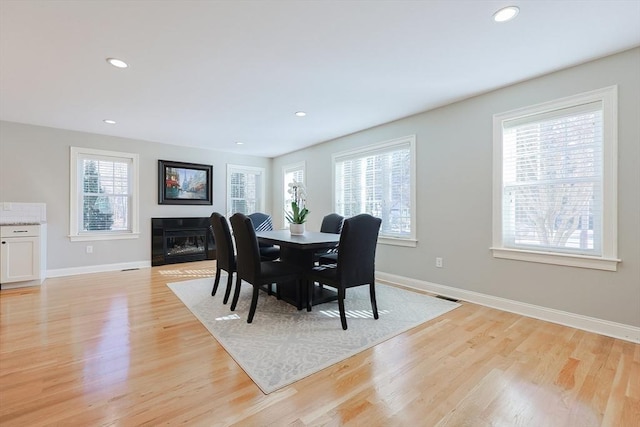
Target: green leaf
point(297, 215)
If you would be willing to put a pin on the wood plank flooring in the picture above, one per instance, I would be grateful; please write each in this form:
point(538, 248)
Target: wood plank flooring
point(119, 348)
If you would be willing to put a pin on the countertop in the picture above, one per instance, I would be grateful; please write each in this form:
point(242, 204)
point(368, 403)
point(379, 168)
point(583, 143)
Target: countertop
point(22, 223)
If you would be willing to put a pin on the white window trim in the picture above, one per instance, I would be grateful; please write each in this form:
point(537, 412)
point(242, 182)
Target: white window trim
point(289, 168)
point(412, 240)
point(74, 233)
point(236, 168)
point(609, 260)
point(408, 242)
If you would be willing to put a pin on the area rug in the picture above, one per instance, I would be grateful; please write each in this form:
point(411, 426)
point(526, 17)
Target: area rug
point(284, 345)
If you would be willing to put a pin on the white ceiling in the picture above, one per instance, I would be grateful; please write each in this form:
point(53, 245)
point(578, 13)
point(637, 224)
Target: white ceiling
point(210, 73)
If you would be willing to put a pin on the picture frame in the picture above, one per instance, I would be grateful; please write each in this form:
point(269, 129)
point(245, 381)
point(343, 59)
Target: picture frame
point(181, 183)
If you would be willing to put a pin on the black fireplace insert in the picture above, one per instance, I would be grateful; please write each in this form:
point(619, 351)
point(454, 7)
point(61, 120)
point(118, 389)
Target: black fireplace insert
point(175, 240)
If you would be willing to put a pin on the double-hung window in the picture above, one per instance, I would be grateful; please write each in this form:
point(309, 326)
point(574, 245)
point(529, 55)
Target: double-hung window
point(380, 180)
point(245, 189)
point(290, 173)
point(555, 168)
point(104, 195)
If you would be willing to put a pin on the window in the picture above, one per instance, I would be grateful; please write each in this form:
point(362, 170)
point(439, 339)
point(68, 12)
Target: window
point(245, 189)
point(104, 195)
point(379, 180)
point(555, 168)
point(290, 173)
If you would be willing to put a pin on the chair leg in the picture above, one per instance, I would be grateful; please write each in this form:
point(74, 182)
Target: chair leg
point(236, 293)
point(227, 292)
point(215, 282)
point(254, 303)
point(343, 316)
point(374, 305)
point(310, 285)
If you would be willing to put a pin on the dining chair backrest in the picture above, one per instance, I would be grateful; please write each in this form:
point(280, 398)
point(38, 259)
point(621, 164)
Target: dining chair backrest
point(261, 221)
point(224, 245)
point(332, 223)
point(357, 250)
point(248, 253)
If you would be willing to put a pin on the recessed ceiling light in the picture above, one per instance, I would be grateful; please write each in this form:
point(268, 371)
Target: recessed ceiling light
point(109, 122)
point(118, 63)
point(300, 113)
point(239, 143)
point(506, 14)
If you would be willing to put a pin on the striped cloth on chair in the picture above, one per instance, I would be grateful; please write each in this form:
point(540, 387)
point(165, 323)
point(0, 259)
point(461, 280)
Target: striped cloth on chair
point(265, 225)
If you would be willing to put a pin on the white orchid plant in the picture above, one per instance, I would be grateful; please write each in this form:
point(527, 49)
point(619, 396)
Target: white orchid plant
point(299, 212)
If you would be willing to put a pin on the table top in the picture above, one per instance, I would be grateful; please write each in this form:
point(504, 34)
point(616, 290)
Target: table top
point(308, 240)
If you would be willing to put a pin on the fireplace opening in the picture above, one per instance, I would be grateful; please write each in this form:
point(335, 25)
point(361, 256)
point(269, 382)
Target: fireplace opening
point(185, 243)
point(176, 240)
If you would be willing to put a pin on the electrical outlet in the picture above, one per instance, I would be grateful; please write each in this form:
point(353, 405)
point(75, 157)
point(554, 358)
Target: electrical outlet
point(89, 249)
point(6, 206)
point(439, 262)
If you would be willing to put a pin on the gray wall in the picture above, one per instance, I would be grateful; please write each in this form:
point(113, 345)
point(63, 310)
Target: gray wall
point(34, 167)
point(454, 206)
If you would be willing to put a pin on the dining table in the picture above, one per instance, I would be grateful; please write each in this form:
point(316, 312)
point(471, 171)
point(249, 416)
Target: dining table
point(299, 249)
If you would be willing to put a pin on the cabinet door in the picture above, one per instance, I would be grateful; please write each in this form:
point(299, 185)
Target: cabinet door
point(19, 259)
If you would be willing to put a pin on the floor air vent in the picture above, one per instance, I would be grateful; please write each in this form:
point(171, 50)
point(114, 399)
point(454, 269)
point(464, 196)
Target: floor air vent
point(447, 298)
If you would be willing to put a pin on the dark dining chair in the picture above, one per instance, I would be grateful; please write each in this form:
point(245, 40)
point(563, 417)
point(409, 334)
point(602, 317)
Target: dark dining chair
point(356, 262)
point(331, 223)
point(252, 269)
point(225, 258)
point(262, 222)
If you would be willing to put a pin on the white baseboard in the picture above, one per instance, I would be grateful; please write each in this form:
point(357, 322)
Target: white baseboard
point(15, 285)
point(578, 321)
point(97, 268)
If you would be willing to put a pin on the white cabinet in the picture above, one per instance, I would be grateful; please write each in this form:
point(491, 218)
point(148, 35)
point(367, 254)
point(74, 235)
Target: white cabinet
point(21, 254)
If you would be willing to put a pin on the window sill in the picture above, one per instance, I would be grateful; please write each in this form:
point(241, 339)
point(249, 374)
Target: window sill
point(569, 260)
point(102, 236)
point(394, 241)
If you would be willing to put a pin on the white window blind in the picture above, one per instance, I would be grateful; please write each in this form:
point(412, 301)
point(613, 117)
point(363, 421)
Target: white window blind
point(245, 189)
point(555, 186)
point(106, 194)
point(552, 169)
point(104, 199)
point(379, 180)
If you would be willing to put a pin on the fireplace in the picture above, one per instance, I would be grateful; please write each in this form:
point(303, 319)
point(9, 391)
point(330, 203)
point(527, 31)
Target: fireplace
point(175, 240)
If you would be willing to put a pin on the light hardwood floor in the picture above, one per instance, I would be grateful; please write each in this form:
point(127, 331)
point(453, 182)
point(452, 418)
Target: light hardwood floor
point(120, 349)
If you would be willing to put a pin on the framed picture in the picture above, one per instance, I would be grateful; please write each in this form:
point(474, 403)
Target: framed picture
point(184, 183)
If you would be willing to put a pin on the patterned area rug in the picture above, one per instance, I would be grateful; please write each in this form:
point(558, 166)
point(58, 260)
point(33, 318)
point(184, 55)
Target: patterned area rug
point(284, 345)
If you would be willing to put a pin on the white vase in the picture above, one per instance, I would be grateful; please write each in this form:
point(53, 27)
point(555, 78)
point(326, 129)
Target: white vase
point(296, 229)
